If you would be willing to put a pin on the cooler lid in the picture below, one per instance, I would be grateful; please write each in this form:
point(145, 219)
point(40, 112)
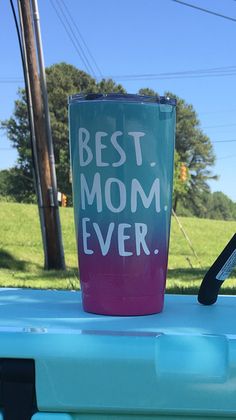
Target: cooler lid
point(181, 361)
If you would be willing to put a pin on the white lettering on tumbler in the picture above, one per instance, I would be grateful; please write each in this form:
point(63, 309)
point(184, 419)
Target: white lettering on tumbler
point(123, 235)
point(140, 234)
point(85, 154)
point(102, 193)
point(99, 146)
point(122, 238)
point(138, 153)
point(104, 242)
point(94, 194)
point(137, 190)
point(86, 235)
point(118, 148)
point(121, 195)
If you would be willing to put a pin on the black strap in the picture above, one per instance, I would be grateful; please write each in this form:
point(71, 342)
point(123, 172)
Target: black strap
point(17, 389)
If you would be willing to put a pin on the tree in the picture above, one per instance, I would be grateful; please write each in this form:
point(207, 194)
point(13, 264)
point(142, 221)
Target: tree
point(180, 188)
point(63, 80)
point(214, 205)
point(195, 151)
point(193, 148)
point(15, 186)
point(109, 86)
point(219, 206)
point(147, 91)
point(222, 207)
point(19, 180)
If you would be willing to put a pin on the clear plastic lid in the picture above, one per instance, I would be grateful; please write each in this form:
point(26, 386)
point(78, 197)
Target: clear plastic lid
point(123, 97)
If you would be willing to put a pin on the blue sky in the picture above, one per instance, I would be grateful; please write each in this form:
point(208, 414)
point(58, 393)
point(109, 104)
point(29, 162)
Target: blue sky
point(137, 37)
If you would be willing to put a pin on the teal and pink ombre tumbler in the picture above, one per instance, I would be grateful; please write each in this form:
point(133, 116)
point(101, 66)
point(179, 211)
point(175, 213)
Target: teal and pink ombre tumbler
point(122, 152)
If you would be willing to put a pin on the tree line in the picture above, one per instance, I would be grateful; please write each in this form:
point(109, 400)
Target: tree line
point(193, 150)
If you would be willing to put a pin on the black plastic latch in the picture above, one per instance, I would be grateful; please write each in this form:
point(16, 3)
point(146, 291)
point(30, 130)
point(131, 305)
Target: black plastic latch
point(17, 389)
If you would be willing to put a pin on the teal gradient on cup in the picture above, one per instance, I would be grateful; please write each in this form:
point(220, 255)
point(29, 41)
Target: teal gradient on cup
point(122, 151)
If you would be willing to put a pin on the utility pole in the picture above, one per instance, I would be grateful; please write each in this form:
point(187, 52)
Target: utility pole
point(54, 258)
point(35, 164)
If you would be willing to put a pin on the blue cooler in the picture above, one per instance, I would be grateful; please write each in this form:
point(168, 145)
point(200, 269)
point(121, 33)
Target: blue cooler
point(59, 363)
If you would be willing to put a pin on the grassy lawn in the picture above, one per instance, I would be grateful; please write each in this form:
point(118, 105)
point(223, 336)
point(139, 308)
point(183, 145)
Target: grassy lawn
point(21, 256)
point(208, 238)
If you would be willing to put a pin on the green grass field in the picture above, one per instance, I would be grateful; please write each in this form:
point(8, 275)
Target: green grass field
point(21, 255)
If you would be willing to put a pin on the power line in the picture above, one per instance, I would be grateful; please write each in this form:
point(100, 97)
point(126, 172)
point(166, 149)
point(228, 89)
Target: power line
point(85, 59)
point(69, 35)
point(81, 37)
point(224, 141)
point(226, 157)
point(219, 111)
point(196, 71)
point(220, 125)
point(144, 77)
point(205, 10)
point(158, 77)
point(210, 72)
point(65, 21)
point(11, 81)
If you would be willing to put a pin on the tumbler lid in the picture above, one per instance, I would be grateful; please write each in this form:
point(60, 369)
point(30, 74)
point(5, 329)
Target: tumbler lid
point(123, 97)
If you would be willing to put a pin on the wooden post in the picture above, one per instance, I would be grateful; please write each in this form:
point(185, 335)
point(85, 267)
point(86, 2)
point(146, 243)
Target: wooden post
point(55, 256)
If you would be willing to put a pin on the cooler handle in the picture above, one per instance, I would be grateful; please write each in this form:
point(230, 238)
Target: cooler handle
point(218, 273)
